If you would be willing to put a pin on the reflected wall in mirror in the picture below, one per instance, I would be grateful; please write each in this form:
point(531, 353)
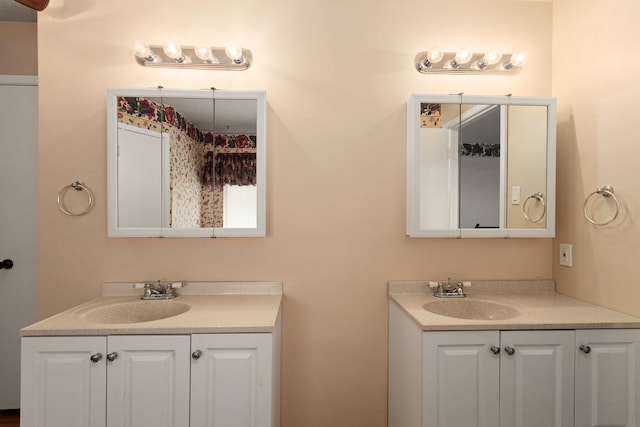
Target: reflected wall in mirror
point(186, 163)
point(480, 166)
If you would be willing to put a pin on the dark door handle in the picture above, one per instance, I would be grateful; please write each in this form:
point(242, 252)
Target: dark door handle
point(7, 264)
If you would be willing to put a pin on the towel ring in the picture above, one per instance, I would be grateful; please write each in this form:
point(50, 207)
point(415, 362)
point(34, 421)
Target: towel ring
point(535, 196)
point(78, 186)
point(605, 191)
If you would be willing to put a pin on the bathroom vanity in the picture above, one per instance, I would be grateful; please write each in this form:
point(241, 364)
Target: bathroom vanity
point(510, 354)
point(211, 356)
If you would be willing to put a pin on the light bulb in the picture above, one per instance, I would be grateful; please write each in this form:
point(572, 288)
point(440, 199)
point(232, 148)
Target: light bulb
point(435, 55)
point(143, 51)
point(462, 57)
point(173, 51)
point(204, 53)
point(490, 58)
point(234, 53)
point(516, 60)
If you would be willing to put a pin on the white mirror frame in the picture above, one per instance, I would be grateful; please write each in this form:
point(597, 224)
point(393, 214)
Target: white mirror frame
point(413, 169)
point(112, 164)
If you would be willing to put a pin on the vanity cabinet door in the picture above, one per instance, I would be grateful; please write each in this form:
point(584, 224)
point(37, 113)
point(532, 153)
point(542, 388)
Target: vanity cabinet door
point(148, 380)
point(537, 378)
point(460, 379)
point(608, 377)
point(63, 381)
point(233, 380)
point(492, 378)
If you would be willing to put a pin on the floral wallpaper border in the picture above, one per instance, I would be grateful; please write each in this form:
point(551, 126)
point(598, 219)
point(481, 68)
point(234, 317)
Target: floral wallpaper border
point(479, 149)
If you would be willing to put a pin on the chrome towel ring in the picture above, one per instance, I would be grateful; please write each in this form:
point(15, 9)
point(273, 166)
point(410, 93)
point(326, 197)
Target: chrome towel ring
point(78, 186)
point(538, 197)
point(605, 191)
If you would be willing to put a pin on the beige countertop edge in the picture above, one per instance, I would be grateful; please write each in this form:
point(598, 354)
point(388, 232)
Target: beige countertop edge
point(146, 331)
point(210, 313)
point(544, 310)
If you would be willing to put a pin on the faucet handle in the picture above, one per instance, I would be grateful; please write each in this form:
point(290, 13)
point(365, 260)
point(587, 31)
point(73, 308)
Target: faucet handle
point(145, 286)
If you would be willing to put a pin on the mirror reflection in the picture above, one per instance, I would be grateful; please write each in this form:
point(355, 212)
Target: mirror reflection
point(188, 163)
point(480, 166)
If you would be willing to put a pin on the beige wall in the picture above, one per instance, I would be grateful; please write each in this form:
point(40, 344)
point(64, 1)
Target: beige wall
point(598, 144)
point(18, 48)
point(337, 76)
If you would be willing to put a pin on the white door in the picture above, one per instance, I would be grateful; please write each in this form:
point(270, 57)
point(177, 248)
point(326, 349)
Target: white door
point(608, 378)
point(232, 380)
point(18, 193)
point(461, 379)
point(148, 380)
point(537, 378)
point(63, 381)
point(140, 193)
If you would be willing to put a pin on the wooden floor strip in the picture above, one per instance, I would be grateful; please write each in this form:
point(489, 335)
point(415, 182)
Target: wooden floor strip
point(10, 418)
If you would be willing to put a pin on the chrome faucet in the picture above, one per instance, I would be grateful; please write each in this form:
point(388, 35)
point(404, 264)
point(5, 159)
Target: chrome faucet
point(449, 290)
point(158, 290)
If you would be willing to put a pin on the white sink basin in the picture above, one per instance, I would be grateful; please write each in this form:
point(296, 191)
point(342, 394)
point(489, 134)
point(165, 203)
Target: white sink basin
point(136, 311)
point(471, 309)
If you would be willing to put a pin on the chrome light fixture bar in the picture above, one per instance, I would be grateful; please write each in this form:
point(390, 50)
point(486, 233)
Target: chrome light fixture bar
point(467, 62)
point(172, 55)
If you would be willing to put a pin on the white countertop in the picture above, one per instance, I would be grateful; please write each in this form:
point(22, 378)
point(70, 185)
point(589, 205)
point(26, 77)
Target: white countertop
point(215, 307)
point(540, 307)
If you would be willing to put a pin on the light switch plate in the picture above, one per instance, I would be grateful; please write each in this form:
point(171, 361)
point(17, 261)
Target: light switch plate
point(566, 256)
point(515, 195)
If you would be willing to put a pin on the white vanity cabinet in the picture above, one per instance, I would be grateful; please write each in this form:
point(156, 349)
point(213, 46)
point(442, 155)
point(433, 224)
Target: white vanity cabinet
point(234, 380)
point(608, 377)
point(508, 378)
point(493, 378)
point(550, 360)
point(147, 380)
point(105, 381)
point(61, 386)
point(536, 378)
point(151, 380)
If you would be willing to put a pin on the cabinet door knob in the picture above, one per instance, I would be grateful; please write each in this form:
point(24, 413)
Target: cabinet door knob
point(95, 358)
point(196, 355)
point(509, 350)
point(112, 356)
point(7, 264)
point(495, 350)
point(585, 349)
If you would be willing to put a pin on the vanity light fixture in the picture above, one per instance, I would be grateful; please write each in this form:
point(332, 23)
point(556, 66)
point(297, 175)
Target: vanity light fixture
point(462, 57)
point(173, 55)
point(174, 51)
point(490, 58)
point(234, 53)
point(516, 60)
point(434, 56)
point(206, 54)
point(465, 61)
point(144, 52)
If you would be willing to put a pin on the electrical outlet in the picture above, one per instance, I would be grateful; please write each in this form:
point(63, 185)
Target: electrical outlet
point(566, 257)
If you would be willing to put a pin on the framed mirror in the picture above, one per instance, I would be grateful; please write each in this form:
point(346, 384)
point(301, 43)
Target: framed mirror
point(186, 163)
point(480, 166)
